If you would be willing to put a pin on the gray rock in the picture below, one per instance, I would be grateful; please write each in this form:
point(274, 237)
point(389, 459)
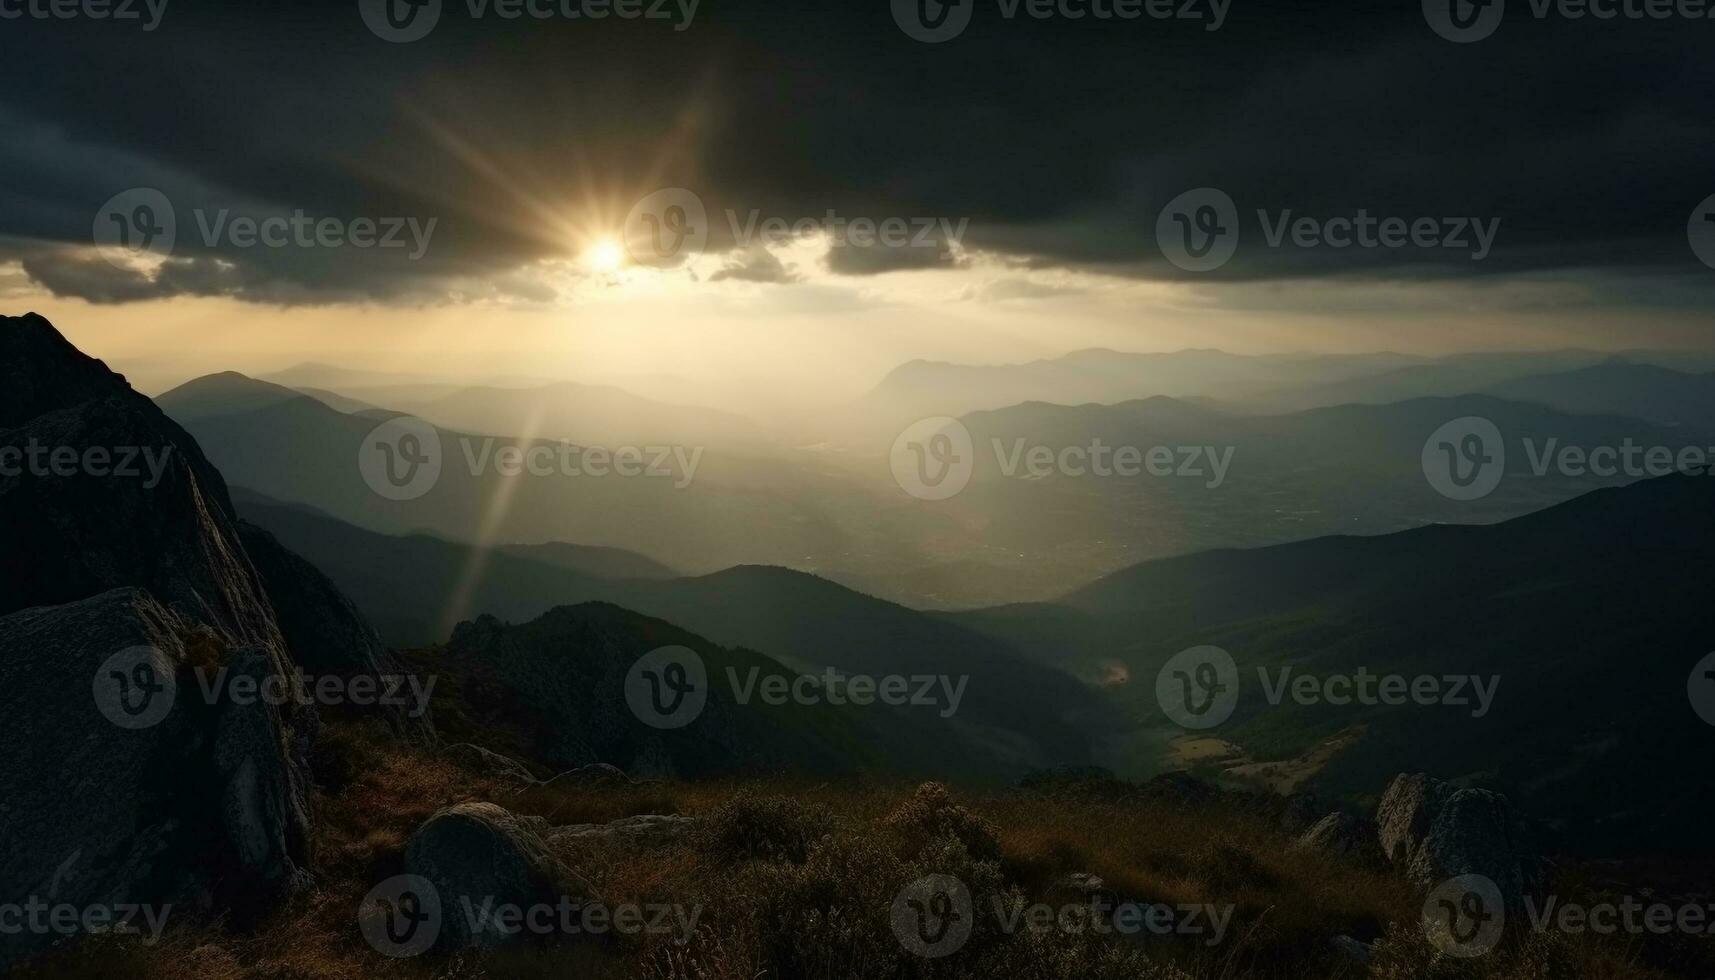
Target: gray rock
point(1435, 831)
point(1355, 952)
point(264, 783)
point(1342, 834)
point(491, 764)
point(596, 774)
point(1478, 832)
point(644, 829)
point(1406, 810)
point(477, 855)
point(192, 805)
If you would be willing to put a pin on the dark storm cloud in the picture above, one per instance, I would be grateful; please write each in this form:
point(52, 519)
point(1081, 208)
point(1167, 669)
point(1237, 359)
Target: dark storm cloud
point(852, 259)
point(1059, 140)
point(754, 265)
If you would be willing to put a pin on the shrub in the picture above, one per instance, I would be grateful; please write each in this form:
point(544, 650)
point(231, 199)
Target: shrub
point(765, 828)
point(931, 812)
point(831, 917)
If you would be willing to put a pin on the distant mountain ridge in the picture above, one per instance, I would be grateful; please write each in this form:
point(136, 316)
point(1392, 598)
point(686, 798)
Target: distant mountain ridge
point(1591, 613)
point(1006, 537)
point(1266, 383)
point(1618, 387)
point(412, 586)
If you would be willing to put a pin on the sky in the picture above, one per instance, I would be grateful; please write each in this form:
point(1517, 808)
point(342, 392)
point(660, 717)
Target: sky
point(493, 198)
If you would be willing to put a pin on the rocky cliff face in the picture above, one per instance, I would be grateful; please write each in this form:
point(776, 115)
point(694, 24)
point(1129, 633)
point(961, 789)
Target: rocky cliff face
point(132, 615)
point(101, 490)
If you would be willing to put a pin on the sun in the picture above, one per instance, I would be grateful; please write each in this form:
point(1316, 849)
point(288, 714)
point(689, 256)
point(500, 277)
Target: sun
point(605, 256)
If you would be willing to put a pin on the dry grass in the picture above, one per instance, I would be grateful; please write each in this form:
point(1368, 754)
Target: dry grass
point(797, 881)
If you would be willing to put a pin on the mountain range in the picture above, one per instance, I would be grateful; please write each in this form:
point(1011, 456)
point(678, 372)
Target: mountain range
point(1587, 616)
point(1011, 535)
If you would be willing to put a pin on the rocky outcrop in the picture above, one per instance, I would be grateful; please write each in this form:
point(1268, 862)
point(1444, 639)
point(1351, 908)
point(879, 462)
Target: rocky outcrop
point(490, 764)
point(1435, 831)
point(643, 829)
point(595, 774)
point(100, 490)
point(126, 785)
point(1407, 807)
point(1343, 835)
point(480, 857)
point(136, 634)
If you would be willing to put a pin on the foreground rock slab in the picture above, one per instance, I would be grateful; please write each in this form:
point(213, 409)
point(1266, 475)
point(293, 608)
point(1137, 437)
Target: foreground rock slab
point(480, 857)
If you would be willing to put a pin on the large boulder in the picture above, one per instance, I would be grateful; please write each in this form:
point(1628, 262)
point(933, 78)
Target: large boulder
point(263, 780)
point(1435, 831)
point(135, 788)
point(479, 858)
